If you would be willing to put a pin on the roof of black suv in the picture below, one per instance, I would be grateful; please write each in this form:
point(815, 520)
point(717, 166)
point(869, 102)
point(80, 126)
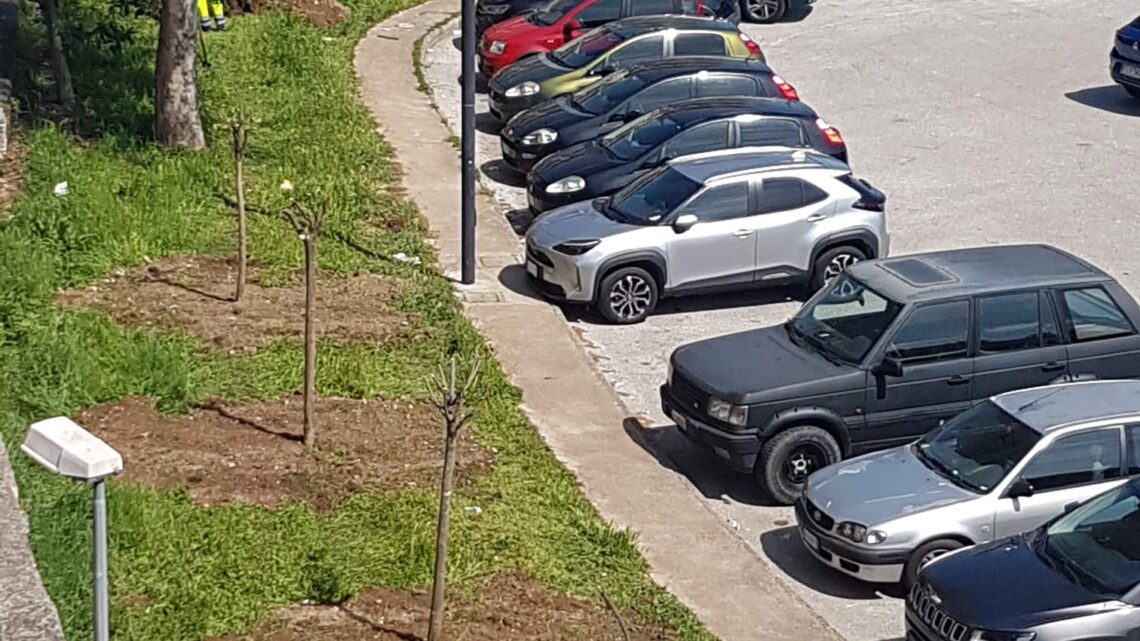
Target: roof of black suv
point(1052, 407)
point(977, 270)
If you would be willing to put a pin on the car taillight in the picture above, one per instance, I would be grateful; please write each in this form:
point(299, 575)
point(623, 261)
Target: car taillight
point(829, 132)
point(786, 90)
point(753, 47)
point(869, 205)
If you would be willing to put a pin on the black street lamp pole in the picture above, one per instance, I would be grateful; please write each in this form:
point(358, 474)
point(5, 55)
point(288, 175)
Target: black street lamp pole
point(467, 144)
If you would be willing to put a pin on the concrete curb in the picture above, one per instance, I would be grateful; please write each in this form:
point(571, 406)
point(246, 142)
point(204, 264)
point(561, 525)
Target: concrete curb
point(690, 551)
point(26, 613)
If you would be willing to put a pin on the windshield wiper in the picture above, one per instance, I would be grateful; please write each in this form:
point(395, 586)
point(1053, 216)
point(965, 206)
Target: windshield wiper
point(943, 470)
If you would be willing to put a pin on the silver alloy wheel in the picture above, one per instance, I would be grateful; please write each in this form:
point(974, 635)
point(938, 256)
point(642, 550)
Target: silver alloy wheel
point(838, 265)
point(930, 556)
point(630, 296)
point(763, 9)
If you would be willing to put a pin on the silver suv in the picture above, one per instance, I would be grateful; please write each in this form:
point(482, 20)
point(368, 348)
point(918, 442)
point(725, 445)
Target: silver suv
point(1004, 467)
point(722, 219)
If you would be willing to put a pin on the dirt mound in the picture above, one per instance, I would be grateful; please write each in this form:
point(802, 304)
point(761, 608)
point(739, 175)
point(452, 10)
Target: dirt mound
point(253, 453)
point(322, 13)
point(192, 294)
point(511, 607)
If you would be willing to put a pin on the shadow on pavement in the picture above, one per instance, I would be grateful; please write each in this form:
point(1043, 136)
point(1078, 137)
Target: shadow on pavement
point(520, 220)
point(515, 279)
point(485, 123)
point(709, 474)
point(731, 300)
point(501, 172)
point(1110, 98)
point(786, 550)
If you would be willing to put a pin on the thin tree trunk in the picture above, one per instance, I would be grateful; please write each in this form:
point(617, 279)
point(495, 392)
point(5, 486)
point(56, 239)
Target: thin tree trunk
point(176, 119)
point(65, 93)
point(239, 186)
point(435, 624)
point(310, 338)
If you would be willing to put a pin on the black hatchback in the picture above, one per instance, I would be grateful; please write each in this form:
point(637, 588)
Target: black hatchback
point(602, 166)
point(627, 95)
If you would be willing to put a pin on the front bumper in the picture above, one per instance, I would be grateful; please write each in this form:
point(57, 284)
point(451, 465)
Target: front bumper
point(522, 158)
point(504, 108)
point(556, 276)
point(739, 450)
point(873, 566)
point(1116, 66)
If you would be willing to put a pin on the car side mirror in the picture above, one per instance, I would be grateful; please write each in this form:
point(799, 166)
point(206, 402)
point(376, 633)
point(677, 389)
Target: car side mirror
point(603, 70)
point(684, 223)
point(1020, 488)
point(631, 115)
point(570, 28)
point(888, 367)
point(1072, 506)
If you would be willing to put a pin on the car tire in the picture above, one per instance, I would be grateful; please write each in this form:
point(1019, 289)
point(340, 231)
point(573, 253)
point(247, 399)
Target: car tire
point(790, 456)
point(626, 295)
point(833, 262)
point(925, 553)
point(1132, 91)
point(763, 11)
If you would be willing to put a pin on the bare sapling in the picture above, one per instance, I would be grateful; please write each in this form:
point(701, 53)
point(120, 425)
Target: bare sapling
point(240, 125)
point(448, 398)
point(307, 222)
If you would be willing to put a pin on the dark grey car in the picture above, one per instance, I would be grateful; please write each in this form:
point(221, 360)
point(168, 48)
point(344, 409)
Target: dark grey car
point(893, 348)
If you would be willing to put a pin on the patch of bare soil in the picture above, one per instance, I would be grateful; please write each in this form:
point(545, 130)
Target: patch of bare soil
point(252, 453)
point(322, 13)
point(193, 294)
point(11, 174)
point(511, 607)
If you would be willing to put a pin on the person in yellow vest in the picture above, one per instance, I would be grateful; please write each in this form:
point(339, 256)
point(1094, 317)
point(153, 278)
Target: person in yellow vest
point(218, 17)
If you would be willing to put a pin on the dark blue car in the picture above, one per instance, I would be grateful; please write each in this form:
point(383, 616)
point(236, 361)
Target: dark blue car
point(1124, 60)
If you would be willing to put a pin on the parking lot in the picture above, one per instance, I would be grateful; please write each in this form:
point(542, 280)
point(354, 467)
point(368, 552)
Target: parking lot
point(983, 122)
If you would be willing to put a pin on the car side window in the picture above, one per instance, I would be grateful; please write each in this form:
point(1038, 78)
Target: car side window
point(652, 7)
point(726, 85)
point(706, 137)
point(699, 44)
point(932, 333)
point(759, 132)
point(644, 50)
point(658, 95)
point(785, 194)
point(1088, 457)
point(1008, 322)
point(1133, 449)
point(1093, 315)
point(599, 13)
point(723, 202)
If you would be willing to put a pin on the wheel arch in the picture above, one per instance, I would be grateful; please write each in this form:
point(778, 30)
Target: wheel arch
point(862, 239)
point(816, 416)
point(651, 261)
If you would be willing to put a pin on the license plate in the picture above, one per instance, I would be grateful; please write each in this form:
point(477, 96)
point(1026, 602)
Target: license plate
point(810, 540)
point(681, 421)
point(533, 269)
point(507, 150)
point(1130, 71)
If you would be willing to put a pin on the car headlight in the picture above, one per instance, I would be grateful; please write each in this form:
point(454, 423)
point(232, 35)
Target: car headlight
point(990, 635)
point(540, 137)
point(875, 537)
point(854, 532)
point(494, 9)
point(567, 185)
point(528, 88)
point(576, 247)
point(497, 47)
point(727, 412)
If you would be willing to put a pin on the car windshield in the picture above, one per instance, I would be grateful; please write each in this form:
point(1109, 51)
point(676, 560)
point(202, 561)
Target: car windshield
point(977, 449)
point(844, 320)
point(641, 135)
point(552, 12)
point(602, 96)
point(581, 52)
point(648, 200)
point(1097, 545)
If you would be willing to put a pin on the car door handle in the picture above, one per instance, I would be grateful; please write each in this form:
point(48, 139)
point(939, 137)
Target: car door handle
point(958, 379)
point(1052, 367)
point(815, 218)
point(742, 233)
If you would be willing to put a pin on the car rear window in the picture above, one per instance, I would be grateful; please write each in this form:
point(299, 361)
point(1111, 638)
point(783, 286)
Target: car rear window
point(1136, 23)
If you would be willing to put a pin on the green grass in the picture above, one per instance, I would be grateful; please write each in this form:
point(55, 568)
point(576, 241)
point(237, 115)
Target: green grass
point(212, 571)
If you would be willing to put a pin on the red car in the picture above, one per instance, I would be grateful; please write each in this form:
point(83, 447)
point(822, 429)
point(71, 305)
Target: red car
point(561, 21)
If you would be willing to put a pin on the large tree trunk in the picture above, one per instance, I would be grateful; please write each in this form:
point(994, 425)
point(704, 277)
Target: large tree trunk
point(176, 120)
point(59, 67)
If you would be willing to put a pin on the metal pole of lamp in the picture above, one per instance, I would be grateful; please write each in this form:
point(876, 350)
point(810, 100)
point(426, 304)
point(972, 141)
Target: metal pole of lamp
point(467, 145)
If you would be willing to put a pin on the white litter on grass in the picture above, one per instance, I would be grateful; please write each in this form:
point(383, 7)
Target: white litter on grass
point(404, 258)
point(473, 509)
point(327, 39)
point(60, 189)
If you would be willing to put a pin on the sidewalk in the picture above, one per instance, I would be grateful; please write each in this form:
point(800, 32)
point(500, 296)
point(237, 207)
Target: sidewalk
point(26, 612)
point(690, 551)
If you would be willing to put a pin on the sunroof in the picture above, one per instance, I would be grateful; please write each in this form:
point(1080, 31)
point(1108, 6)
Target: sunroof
point(918, 272)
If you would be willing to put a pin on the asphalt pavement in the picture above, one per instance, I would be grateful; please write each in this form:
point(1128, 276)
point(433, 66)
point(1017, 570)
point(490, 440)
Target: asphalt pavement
point(983, 122)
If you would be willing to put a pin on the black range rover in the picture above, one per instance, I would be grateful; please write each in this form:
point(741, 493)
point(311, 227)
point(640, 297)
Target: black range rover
point(893, 347)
